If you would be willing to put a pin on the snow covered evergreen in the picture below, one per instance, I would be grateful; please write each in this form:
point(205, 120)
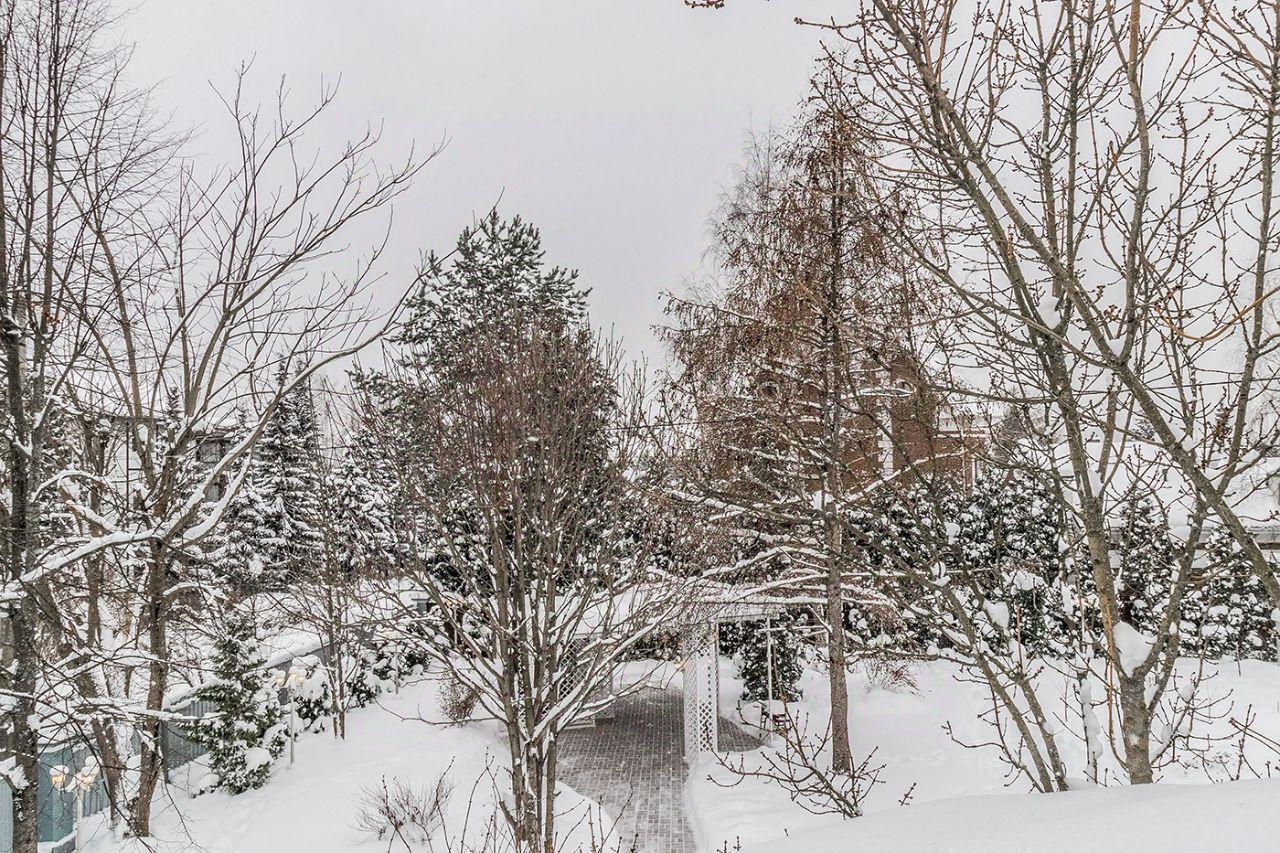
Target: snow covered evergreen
point(496, 270)
point(1146, 564)
point(749, 643)
point(1008, 534)
point(364, 488)
point(1234, 608)
point(271, 528)
point(247, 732)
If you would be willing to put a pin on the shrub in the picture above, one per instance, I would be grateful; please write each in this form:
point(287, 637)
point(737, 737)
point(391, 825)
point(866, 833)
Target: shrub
point(397, 811)
point(457, 700)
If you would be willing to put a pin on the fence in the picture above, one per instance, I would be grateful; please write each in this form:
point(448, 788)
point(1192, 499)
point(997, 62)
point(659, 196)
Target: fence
point(55, 809)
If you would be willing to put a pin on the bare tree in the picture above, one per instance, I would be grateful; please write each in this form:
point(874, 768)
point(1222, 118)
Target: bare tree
point(202, 286)
point(1094, 182)
point(70, 137)
point(1094, 244)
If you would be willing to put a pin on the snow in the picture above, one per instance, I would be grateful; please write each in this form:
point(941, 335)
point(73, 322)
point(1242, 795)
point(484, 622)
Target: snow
point(998, 613)
point(1236, 816)
point(947, 780)
point(313, 804)
point(256, 757)
point(960, 798)
point(1047, 309)
point(1132, 645)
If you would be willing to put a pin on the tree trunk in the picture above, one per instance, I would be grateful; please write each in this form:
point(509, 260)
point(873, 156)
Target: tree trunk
point(841, 754)
point(20, 656)
point(1135, 727)
point(25, 743)
point(833, 372)
point(151, 763)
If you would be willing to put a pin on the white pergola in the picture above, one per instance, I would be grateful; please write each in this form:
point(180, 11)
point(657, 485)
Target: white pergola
point(700, 655)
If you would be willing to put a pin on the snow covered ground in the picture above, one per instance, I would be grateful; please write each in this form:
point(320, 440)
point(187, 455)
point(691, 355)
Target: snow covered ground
point(1237, 816)
point(961, 799)
point(312, 806)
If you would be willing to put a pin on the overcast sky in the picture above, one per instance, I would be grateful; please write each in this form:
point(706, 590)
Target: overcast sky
point(611, 124)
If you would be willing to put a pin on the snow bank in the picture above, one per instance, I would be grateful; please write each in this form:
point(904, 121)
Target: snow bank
point(1237, 816)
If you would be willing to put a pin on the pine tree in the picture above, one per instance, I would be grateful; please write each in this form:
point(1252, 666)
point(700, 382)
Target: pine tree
point(1147, 564)
point(894, 529)
point(270, 532)
point(496, 270)
point(364, 489)
point(237, 550)
point(495, 281)
point(287, 475)
point(247, 732)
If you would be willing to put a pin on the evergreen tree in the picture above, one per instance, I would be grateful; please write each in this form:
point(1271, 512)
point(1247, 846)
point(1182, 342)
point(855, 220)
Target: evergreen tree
point(1234, 608)
point(1007, 536)
point(270, 531)
point(247, 731)
point(496, 270)
point(495, 285)
point(237, 550)
point(286, 473)
point(894, 529)
point(365, 681)
point(1009, 519)
point(749, 643)
point(363, 487)
point(1146, 566)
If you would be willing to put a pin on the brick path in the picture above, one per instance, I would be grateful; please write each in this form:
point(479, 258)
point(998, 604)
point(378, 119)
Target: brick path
point(633, 765)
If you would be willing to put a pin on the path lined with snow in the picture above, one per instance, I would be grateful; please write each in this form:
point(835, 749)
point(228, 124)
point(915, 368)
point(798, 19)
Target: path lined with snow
point(633, 766)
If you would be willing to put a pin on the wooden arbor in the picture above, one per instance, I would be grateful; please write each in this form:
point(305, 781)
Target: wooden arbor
point(700, 655)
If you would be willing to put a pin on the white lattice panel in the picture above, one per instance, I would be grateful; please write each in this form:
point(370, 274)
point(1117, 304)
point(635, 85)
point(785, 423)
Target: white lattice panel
point(701, 689)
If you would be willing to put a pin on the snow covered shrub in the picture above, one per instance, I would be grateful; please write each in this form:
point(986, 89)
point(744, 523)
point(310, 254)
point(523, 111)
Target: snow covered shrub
point(364, 684)
point(415, 640)
point(895, 530)
point(247, 732)
point(802, 768)
point(397, 811)
point(313, 701)
point(1022, 609)
point(1006, 539)
point(390, 663)
point(457, 700)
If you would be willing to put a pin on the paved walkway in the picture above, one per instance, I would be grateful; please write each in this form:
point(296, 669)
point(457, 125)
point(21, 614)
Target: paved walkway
point(633, 765)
